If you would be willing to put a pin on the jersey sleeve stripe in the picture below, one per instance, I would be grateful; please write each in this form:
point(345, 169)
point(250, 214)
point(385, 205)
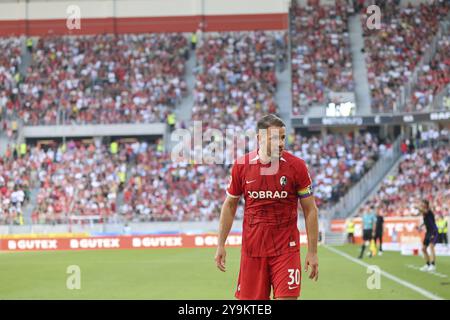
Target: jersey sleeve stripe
point(233, 196)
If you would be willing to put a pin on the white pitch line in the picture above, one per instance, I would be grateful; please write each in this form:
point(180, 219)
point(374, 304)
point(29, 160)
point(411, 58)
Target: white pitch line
point(434, 273)
point(404, 283)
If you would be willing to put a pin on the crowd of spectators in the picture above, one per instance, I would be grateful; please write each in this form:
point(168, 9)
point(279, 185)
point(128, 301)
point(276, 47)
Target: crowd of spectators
point(395, 49)
point(83, 180)
point(140, 79)
point(432, 77)
point(160, 189)
point(135, 78)
point(15, 185)
point(10, 61)
point(80, 179)
point(338, 161)
point(321, 56)
point(235, 78)
point(423, 173)
point(71, 180)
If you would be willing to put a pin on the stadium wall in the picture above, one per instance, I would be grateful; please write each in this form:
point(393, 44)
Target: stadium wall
point(114, 228)
point(98, 130)
point(137, 16)
point(156, 227)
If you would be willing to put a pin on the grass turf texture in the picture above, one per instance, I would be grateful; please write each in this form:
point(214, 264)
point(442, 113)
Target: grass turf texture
point(191, 274)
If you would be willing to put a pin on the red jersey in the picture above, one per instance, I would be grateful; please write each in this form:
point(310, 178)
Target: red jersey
point(271, 203)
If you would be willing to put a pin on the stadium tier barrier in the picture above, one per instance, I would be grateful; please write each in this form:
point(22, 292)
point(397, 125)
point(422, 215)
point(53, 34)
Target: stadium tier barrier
point(156, 227)
point(49, 235)
point(90, 130)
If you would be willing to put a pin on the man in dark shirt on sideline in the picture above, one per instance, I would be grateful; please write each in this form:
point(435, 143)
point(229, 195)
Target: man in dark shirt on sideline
point(431, 236)
point(379, 232)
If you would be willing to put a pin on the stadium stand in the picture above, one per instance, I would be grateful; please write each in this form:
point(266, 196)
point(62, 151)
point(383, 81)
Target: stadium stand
point(140, 78)
point(337, 161)
point(85, 179)
point(423, 173)
point(160, 189)
point(82, 180)
point(432, 77)
point(321, 57)
point(235, 78)
point(394, 51)
point(15, 184)
point(10, 77)
point(134, 78)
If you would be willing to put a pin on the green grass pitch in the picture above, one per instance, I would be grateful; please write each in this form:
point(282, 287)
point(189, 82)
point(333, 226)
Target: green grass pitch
point(191, 274)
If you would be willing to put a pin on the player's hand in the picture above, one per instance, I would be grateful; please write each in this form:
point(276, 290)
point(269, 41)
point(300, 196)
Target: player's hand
point(313, 262)
point(220, 258)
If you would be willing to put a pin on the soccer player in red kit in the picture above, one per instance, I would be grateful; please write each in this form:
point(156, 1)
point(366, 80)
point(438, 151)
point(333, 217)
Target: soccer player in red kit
point(272, 181)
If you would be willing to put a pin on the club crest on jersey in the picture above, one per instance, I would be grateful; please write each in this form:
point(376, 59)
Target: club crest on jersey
point(283, 181)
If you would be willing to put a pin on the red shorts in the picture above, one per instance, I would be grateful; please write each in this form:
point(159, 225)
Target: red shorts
point(257, 276)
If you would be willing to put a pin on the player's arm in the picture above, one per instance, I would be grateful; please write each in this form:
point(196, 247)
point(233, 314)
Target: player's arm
point(234, 192)
point(226, 221)
point(310, 212)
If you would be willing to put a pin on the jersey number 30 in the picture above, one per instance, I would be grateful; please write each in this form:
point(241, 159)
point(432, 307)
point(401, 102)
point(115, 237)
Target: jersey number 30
point(294, 276)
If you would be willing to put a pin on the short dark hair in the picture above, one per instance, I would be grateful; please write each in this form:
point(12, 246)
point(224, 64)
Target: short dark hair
point(269, 120)
point(426, 202)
